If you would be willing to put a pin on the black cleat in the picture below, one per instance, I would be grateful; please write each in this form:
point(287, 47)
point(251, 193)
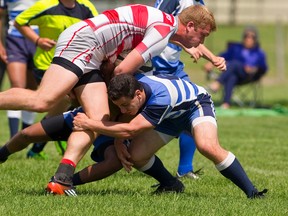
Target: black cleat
point(177, 187)
point(2, 160)
point(258, 194)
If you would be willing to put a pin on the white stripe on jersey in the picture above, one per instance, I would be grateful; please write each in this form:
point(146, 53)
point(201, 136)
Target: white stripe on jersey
point(170, 87)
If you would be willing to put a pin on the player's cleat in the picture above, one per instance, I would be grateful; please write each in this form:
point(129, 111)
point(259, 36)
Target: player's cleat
point(57, 188)
point(61, 147)
point(191, 174)
point(258, 194)
point(177, 187)
point(39, 156)
point(3, 160)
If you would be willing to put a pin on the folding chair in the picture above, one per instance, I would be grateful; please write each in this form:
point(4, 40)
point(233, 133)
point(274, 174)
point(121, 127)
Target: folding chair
point(248, 94)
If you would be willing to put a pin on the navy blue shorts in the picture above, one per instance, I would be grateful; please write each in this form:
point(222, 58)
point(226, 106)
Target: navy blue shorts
point(20, 50)
point(203, 107)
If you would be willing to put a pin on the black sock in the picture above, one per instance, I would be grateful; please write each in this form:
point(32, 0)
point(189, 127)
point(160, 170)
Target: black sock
point(64, 173)
point(160, 173)
point(76, 179)
point(4, 153)
point(238, 176)
point(25, 125)
point(38, 147)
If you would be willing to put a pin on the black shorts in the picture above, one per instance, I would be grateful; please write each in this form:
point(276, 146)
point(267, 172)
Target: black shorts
point(56, 128)
point(84, 78)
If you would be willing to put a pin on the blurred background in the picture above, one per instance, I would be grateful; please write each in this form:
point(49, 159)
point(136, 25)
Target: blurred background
point(271, 19)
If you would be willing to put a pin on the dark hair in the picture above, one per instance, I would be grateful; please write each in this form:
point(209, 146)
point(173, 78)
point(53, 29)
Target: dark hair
point(253, 30)
point(123, 85)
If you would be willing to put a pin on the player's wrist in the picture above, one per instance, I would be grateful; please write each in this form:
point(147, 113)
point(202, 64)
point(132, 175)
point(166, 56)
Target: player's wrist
point(37, 41)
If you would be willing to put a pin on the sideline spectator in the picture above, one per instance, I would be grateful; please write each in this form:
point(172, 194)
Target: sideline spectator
point(246, 63)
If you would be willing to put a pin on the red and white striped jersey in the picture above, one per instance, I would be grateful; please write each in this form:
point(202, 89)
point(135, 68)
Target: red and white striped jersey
point(105, 36)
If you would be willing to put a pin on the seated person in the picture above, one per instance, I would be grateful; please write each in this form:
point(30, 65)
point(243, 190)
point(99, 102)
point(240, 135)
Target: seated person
point(246, 62)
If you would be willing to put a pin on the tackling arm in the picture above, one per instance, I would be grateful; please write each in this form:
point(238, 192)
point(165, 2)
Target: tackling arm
point(113, 129)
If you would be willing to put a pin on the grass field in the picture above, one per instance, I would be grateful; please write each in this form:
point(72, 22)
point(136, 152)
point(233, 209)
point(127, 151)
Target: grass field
point(260, 143)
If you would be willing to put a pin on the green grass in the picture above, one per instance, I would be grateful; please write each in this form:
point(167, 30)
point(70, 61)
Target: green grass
point(260, 143)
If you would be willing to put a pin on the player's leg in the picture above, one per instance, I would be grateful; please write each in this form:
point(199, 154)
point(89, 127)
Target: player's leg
point(36, 151)
point(22, 139)
point(107, 160)
point(91, 92)
point(46, 96)
point(143, 149)
point(187, 149)
point(17, 76)
point(205, 134)
point(54, 128)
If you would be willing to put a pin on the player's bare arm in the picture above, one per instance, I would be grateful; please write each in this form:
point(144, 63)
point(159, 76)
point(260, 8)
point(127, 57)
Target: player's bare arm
point(110, 128)
point(130, 64)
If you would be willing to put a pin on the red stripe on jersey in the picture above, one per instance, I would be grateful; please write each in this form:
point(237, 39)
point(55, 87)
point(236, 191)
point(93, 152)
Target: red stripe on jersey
point(112, 15)
point(137, 38)
point(168, 19)
point(163, 30)
point(141, 48)
point(87, 58)
point(71, 39)
point(140, 15)
point(91, 24)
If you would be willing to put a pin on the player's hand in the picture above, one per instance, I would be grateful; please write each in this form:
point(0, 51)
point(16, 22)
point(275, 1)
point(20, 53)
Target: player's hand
point(195, 53)
point(123, 154)
point(46, 43)
point(219, 62)
point(80, 122)
point(3, 55)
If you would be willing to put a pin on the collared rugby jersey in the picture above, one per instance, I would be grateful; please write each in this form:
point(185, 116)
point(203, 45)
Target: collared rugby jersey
point(167, 97)
point(105, 36)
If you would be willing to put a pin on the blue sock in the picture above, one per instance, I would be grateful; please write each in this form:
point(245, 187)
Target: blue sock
point(187, 150)
point(13, 126)
point(232, 169)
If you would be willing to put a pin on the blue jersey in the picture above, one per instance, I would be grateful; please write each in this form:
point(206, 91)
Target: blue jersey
point(14, 8)
point(169, 60)
point(254, 57)
point(168, 97)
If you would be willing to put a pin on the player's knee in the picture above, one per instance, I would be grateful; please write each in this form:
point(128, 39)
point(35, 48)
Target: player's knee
point(26, 135)
point(44, 104)
point(112, 159)
point(206, 149)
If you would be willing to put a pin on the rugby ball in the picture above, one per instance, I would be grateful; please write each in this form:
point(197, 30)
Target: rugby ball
point(147, 67)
